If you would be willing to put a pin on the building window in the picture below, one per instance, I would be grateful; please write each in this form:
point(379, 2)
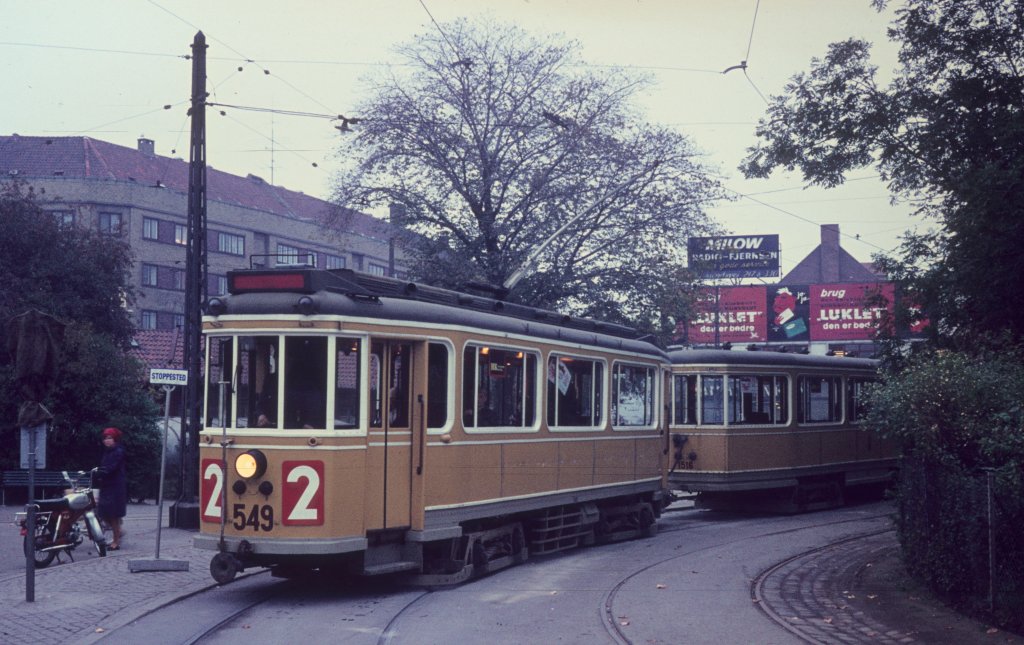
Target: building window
point(64, 218)
point(149, 275)
point(150, 228)
point(287, 254)
point(221, 285)
point(376, 269)
point(148, 320)
point(180, 234)
point(333, 261)
point(179, 279)
point(110, 223)
point(179, 321)
point(232, 244)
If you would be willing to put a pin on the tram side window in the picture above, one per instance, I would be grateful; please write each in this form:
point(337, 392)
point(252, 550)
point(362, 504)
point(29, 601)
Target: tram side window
point(437, 385)
point(712, 400)
point(633, 395)
point(256, 385)
point(855, 390)
point(347, 370)
point(498, 388)
point(757, 400)
point(305, 382)
point(684, 399)
point(819, 399)
point(574, 391)
point(218, 370)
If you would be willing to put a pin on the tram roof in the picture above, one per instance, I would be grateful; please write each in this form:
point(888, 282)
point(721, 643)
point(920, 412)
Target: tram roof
point(731, 357)
point(349, 293)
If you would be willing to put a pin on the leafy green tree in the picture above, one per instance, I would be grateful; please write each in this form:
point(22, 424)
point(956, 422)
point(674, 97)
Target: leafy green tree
point(79, 277)
point(490, 140)
point(947, 133)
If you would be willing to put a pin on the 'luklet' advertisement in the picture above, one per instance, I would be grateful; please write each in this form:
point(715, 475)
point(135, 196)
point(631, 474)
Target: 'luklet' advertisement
point(740, 316)
point(849, 311)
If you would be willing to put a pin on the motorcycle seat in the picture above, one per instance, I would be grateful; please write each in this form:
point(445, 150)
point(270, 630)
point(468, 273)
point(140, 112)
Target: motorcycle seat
point(59, 504)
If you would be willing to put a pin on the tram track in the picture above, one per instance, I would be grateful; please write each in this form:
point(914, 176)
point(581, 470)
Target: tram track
point(801, 630)
point(613, 625)
point(394, 627)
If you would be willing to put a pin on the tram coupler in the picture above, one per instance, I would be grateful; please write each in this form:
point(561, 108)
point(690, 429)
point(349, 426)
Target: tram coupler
point(224, 567)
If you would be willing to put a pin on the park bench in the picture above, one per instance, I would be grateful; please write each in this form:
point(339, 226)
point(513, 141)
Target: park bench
point(51, 481)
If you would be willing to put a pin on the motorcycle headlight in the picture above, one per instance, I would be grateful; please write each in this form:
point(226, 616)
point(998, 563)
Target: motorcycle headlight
point(251, 464)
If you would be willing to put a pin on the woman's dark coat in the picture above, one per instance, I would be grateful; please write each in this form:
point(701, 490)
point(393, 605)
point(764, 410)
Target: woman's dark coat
point(113, 483)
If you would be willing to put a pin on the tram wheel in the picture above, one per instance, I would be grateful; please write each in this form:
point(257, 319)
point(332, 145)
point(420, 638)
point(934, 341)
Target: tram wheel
point(224, 567)
point(518, 544)
point(479, 558)
point(648, 524)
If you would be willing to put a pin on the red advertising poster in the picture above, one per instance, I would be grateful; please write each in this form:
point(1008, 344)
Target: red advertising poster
point(850, 311)
point(788, 311)
point(741, 316)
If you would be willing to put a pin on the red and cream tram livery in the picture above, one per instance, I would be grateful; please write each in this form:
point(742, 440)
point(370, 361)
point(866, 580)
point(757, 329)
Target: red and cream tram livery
point(379, 426)
point(762, 429)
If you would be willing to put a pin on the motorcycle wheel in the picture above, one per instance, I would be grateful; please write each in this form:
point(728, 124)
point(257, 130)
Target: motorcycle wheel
point(42, 558)
point(93, 528)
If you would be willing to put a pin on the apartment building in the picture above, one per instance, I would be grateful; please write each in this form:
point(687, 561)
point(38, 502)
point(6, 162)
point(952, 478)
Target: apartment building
point(142, 196)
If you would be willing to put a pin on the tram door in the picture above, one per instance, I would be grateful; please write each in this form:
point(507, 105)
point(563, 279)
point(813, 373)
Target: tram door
point(389, 467)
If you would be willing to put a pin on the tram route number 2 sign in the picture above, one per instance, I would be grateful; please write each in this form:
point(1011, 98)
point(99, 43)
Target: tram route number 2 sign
point(302, 498)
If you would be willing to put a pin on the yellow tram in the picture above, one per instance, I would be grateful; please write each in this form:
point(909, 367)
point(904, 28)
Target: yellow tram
point(379, 426)
point(770, 430)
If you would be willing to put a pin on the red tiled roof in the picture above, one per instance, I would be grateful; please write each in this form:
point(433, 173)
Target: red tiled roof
point(159, 348)
point(87, 158)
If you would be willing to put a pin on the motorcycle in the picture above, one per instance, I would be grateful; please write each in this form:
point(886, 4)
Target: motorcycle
point(60, 523)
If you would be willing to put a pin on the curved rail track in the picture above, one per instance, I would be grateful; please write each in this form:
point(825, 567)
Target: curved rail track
point(397, 621)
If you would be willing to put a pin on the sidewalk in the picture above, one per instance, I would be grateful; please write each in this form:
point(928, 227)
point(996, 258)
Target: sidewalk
point(78, 602)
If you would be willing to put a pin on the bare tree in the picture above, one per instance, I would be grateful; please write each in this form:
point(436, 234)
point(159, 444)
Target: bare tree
point(491, 140)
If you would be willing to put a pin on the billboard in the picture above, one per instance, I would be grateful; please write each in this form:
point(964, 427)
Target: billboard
point(734, 256)
point(741, 316)
point(789, 309)
point(851, 311)
point(792, 313)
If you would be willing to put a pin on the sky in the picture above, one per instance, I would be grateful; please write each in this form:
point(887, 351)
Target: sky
point(106, 70)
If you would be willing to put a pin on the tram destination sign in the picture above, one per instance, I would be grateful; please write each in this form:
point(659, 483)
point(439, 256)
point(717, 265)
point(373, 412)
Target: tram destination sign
point(734, 256)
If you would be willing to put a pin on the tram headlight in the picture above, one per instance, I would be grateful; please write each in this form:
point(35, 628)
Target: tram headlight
point(251, 464)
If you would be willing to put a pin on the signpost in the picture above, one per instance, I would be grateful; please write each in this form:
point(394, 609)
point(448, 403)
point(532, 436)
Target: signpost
point(169, 379)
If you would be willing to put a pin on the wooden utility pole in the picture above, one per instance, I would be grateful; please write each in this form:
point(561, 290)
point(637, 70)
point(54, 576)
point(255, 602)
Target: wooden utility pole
point(185, 511)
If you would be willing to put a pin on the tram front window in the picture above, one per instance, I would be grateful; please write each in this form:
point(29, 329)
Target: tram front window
point(305, 382)
point(256, 381)
point(218, 372)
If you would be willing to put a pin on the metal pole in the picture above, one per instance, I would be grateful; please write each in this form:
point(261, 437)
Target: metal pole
point(186, 511)
point(989, 476)
point(718, 317)
point(163, 455)
point(30, 521)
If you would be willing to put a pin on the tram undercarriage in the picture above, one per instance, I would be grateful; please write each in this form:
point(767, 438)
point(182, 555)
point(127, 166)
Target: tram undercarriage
point(483, 547)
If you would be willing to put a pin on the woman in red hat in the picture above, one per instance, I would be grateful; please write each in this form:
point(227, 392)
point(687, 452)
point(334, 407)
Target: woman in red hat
point(113, 502)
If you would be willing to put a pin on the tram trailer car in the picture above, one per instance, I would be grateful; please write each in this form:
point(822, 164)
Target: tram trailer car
point(762, 430)
point(374, 426)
